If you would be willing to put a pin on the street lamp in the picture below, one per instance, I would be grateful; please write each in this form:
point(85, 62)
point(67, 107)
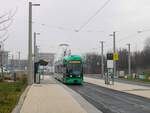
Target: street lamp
point(35, 4)
point(143, 31)
point(30, 64)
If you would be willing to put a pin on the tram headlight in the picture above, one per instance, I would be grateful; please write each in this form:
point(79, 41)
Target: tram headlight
point(78, 76)
point(70, 75)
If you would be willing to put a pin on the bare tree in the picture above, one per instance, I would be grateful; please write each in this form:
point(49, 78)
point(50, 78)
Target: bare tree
point(7, 19)
point(122, 64)
point(147, 53)
point(5, 22)
point(92, 63)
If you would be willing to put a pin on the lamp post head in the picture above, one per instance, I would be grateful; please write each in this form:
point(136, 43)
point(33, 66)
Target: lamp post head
point(64, 44)
point(35, 4)
point(139, 31)
point(37, 33)
point(76, 30)
point(110, 34)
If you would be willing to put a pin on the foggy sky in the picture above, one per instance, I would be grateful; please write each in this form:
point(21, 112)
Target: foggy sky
point(57, 20)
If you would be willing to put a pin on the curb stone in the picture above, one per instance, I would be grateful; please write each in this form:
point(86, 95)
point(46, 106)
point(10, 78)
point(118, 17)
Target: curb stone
point(88, 107)
point(21, 101)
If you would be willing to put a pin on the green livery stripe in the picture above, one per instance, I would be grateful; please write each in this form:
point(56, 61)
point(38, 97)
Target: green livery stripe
point(73, 57)
point(73, 80)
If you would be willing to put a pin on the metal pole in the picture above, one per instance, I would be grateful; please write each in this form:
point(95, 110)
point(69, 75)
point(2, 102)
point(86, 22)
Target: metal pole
point(102, 60)
point(12, 63)
point(34, 56)
point(2, 65)
point(34, 46)
point(114, 51)
point(129, 60)
point(30, 80)
point(13, 71)
point(19, 66)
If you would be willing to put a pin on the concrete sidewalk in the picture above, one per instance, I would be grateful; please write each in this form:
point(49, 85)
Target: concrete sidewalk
point(128, 88)
point(51, 97)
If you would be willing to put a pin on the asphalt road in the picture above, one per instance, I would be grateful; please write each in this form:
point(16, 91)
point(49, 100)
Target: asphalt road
point(111, 101)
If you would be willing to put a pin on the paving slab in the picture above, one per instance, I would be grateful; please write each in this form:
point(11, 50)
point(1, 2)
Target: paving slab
point(50, 98)
point(124, 87)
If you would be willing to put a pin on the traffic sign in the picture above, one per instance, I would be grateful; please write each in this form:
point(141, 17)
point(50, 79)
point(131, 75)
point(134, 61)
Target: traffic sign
point(110, 64)
point(116, 57)
point(109, 56)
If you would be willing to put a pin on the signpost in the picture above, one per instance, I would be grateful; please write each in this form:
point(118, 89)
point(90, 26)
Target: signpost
point(110, 66)
point(115, 57)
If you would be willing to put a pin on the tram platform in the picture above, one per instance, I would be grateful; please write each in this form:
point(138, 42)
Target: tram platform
point(53, 97)
point(143, 91)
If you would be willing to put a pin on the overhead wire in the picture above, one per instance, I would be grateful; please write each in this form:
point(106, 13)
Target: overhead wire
point(95, 14)
point(133, 35)
point(52, 26)
point(127, 37)
point(63, 28)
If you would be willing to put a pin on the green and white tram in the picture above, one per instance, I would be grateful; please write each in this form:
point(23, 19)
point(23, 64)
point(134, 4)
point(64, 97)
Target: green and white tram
point(70, 69)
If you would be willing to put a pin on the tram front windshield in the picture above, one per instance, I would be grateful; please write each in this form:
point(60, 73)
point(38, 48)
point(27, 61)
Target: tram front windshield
point(74, 68)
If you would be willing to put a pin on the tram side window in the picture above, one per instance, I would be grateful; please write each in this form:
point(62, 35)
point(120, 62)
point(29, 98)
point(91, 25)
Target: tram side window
point(56, 69)
point(60, 69)
point(64, 69)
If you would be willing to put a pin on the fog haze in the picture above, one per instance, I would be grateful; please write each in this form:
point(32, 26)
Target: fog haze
point(58, 20)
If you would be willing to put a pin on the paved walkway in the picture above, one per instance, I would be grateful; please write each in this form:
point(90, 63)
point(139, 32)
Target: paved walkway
point(128, 88)
point(50, 97)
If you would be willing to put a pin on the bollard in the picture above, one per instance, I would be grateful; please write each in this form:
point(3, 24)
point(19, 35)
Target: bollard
point(14, 76)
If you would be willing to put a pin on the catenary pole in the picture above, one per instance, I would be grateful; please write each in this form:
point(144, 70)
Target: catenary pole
point(129, 60)
point(30, 81)
point(114, 51)
point(102, 59)
point(34, 46)
point(30, 63)
point(19, 63)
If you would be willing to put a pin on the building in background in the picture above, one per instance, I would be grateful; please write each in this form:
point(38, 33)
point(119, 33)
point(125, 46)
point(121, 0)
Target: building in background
point(17, 65)
point(4, 58)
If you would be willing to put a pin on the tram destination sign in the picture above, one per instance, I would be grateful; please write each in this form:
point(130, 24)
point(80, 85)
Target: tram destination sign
point(75, 62)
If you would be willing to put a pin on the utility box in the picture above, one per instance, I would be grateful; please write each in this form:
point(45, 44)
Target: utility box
point(121, 74)
point(142, 77)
